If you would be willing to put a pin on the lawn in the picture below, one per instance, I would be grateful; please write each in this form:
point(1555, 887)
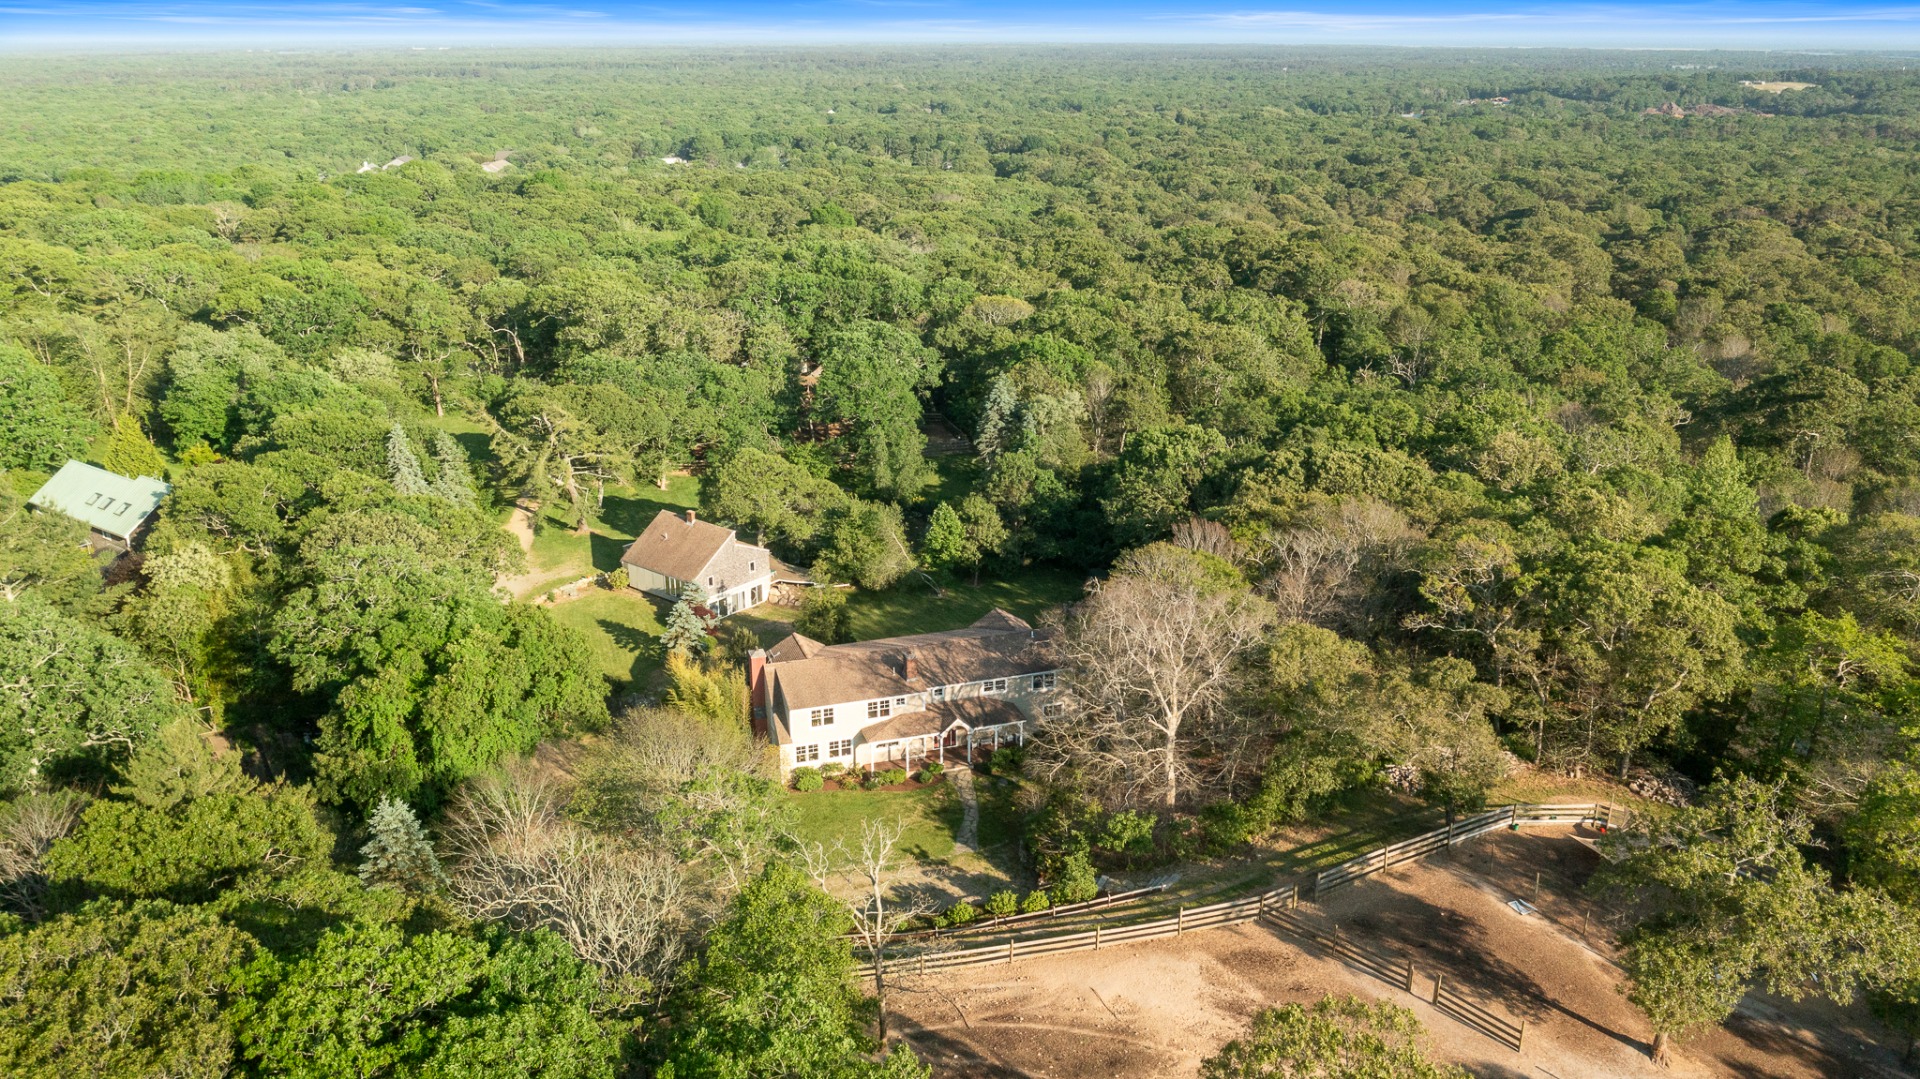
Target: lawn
point(913, 607)
point(622, 515)
point(623, 630)
point(931, 814)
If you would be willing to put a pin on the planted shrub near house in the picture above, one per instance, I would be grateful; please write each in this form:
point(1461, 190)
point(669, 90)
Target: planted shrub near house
point(807, 779)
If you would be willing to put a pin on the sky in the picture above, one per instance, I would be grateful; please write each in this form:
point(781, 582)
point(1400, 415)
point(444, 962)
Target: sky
point(1792, 25)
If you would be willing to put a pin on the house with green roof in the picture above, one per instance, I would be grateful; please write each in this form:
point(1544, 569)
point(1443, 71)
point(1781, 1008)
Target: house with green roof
point(112, 505)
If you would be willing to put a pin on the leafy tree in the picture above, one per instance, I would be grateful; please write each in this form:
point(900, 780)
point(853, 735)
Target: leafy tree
point(770, 494)
point(871, 378)
point(945, 543)
point(1734, 903)
point(129, 453)
point(1336, 1038)
point(115, 989)
point(985, 534)
point(823, 616)
point(82, 695)
point(44, 554)
point(866, 544)
point(39, 428)
point(397, 852)
point(774, 993)
point(1152, 482)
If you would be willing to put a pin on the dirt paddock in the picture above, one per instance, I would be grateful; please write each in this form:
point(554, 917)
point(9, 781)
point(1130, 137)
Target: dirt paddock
point(1159, 1008)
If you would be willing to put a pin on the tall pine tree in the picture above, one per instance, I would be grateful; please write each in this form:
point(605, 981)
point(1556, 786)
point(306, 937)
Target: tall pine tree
point(403, 465)
point(399, 854)
point(454, 481)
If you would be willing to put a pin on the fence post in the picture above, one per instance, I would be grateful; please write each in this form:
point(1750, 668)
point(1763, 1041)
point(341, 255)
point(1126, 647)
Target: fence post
point(1010, 941)
point(1409, 975)
point(1522, 1039)
point(1179, 921)
point(1438, 981)
point(1096, 936)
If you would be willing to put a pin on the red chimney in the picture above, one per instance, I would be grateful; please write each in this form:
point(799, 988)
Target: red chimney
point(757, 683)
point(910, 665)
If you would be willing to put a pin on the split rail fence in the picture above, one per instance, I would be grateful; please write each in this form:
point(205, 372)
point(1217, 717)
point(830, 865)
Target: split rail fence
point(1395, 970)
point(988, 923)
point(1185, 920)
point(1511, 816)
point(1452, 1002)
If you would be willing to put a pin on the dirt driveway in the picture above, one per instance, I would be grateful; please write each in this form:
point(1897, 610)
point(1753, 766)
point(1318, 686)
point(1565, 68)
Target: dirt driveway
point(1158, 1009)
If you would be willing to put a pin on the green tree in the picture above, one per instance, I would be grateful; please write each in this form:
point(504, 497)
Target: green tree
point(45, 555)
point(121, 989)
point(866, 545)
point(1733, 903)
point(129, 452)
point(945, 544)
point(1152, 482)
point(453, 479)
point(871, 378)
point(685, 632)
point(774, 994)
point(403, 465)
point(82, 695)
point(39, 427)
point(985, 534)
point(1336, 1038)
point(397, 852)
point(823, 616)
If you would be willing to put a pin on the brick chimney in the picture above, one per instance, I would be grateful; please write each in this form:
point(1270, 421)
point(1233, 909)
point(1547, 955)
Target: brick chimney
point(691, 517)
point(910, 665)
point(757, 683)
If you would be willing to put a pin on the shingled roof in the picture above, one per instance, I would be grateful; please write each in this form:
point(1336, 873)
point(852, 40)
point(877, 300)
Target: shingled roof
point(683, 546)
point(807, 674)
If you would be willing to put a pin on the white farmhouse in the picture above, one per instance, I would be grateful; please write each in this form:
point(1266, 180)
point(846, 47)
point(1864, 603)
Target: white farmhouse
point(903, 700)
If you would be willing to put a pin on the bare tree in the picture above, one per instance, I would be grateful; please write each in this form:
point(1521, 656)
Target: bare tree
point(29, 826)
point(1152, 656)
point(1207, 537)
point(1319, 569)
point(516, 857)
point(862, 879)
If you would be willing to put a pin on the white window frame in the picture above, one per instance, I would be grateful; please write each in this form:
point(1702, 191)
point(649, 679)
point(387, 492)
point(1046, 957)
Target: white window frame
point(820, 717)
point(879, 709)
point(1043, 681)
point(806, 753)
point(840, 747)
point(994, 685)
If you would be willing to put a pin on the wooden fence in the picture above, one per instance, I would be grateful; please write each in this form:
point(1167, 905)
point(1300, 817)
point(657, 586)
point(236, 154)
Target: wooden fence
point(1392, 969)
point(1511, 816)
point(1185, 919)
point(989, 922)
point(1450, 1001)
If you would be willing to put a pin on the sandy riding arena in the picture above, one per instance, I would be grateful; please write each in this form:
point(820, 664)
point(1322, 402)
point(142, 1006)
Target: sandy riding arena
point(1159, 1008)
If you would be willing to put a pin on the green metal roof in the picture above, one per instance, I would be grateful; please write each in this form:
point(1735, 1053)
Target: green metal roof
point(108, 502)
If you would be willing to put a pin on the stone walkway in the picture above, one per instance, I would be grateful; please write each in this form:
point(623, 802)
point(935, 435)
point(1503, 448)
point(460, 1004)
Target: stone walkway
point(968, 836)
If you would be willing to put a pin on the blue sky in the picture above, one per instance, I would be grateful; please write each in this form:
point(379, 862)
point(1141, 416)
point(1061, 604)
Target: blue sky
point(35, 24)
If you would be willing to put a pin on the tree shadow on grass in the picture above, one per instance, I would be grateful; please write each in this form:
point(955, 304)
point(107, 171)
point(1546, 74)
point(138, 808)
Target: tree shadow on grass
point(606, 552)
point(630, 514)
point(650, 656)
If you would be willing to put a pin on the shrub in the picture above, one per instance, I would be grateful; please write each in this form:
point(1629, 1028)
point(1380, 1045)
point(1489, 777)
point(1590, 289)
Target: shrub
point(872, 782)
point(933, 768)
point(1007, 760)
point(1002, 903)
point(925, 775)
point(1035, 902)
point(807, 779)
point(617, 579)
point(832, 769)
point(891, 776)
point(1128, 833)
point(1225, 825)
point(1076, 882)
point(961, 913)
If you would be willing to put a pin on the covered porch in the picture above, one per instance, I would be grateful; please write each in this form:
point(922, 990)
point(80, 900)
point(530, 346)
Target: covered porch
point(949, 733)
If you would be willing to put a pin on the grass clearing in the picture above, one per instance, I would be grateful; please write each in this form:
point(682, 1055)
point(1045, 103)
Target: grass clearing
point(913, 607)
point(623, 631)
point(931, 816)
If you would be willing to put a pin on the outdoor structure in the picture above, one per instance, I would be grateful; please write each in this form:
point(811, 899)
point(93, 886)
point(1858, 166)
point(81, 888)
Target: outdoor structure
point(680, 549)
point(110, 504)
point(899, 701)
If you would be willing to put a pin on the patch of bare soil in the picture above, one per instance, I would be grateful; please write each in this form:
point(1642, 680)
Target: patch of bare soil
point(520, 526)
point(1159, 1008)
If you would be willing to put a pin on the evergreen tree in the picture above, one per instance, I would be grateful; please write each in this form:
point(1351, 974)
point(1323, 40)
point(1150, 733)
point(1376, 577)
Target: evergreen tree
point(997, 426)
point(403, 465)
point(686, 631)
point(399, 853)
point(455, 480)
point(129, 453)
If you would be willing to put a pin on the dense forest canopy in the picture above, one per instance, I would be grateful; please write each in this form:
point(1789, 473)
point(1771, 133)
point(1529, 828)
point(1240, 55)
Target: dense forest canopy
point(1468, 404)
